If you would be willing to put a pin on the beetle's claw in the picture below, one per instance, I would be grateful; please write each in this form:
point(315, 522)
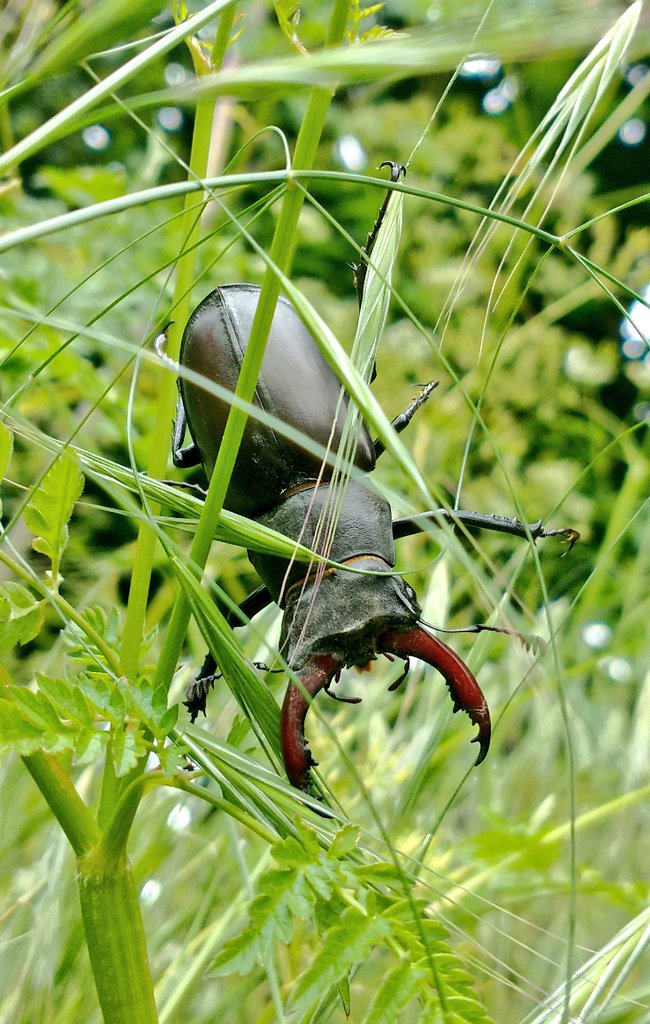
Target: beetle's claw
point(571, 536)
point(464, 690)
point(261, 666)
point(161, 341)
point(396, 170)
point(197, 695)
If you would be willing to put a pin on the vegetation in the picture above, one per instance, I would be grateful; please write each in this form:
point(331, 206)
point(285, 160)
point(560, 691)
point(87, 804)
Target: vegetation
point(147, 157)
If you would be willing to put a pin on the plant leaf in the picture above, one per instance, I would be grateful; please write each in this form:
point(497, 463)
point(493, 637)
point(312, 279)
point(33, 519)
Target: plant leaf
point(288, 891)
point(344, 945)
point(127, 748)
point(50, 508)
point(21, 616)
point(30, 720)
point(399, 987)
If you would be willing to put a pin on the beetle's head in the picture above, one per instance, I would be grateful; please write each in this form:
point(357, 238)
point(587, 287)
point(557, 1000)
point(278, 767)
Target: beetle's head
point(346, 618)
point(343, 611)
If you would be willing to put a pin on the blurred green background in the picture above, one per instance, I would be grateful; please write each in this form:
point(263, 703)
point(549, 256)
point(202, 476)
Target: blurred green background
point(562, 380)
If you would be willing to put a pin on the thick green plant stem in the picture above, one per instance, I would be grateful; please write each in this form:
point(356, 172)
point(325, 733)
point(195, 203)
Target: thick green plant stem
point(109, 901)
point(280, 257)
point(63, 800)
point(116, 941)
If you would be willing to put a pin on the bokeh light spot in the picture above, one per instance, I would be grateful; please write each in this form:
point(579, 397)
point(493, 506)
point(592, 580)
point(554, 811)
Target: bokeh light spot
point(633, 132)
point(597, 635)
point(350, 153)
point(96, 137)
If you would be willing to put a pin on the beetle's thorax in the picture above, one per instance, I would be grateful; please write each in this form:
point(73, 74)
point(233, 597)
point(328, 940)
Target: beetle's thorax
point(338, 526)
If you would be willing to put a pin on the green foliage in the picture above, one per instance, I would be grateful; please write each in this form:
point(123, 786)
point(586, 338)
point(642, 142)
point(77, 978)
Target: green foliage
point(86, 712)
point(288, 14)
point(346, 944)
point(354, 922)
point(77, 35)
point(358, 32)
point(83, 185)
point(49, 510)
point(21, 616)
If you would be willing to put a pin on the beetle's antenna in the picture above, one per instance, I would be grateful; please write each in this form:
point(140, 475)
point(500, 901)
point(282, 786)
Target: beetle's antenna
point(533, 642)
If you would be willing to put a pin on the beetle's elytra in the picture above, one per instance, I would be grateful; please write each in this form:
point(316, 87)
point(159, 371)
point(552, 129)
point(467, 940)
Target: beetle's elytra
point(336, 619)
point(295, 384)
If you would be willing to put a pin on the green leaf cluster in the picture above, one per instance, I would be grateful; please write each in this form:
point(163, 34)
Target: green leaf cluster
point(86, 712)
point(357, 912)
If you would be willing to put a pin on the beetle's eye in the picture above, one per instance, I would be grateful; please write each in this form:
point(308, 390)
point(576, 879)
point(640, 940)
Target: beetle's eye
point(410, 592)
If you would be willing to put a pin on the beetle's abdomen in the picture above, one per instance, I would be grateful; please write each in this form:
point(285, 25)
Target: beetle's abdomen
point(295, 384)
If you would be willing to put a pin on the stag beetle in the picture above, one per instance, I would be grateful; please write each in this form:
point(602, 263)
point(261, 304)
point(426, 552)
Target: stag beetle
point(332, 619)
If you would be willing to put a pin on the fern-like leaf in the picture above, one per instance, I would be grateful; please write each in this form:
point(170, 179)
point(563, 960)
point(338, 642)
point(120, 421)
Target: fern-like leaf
point(399, 988)
point(345, 945)
point(78, 717)
point(29, 721)
point(286, 892)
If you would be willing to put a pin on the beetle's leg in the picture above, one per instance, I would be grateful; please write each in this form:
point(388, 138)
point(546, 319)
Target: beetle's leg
point(316, 675)
point(183, 485)
point(479, 521)
point(400, 679)
point(402, 421)
point(183, 458)
point(465, 691)
point(342, 700)
point(361, 268)
point(197, 692)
